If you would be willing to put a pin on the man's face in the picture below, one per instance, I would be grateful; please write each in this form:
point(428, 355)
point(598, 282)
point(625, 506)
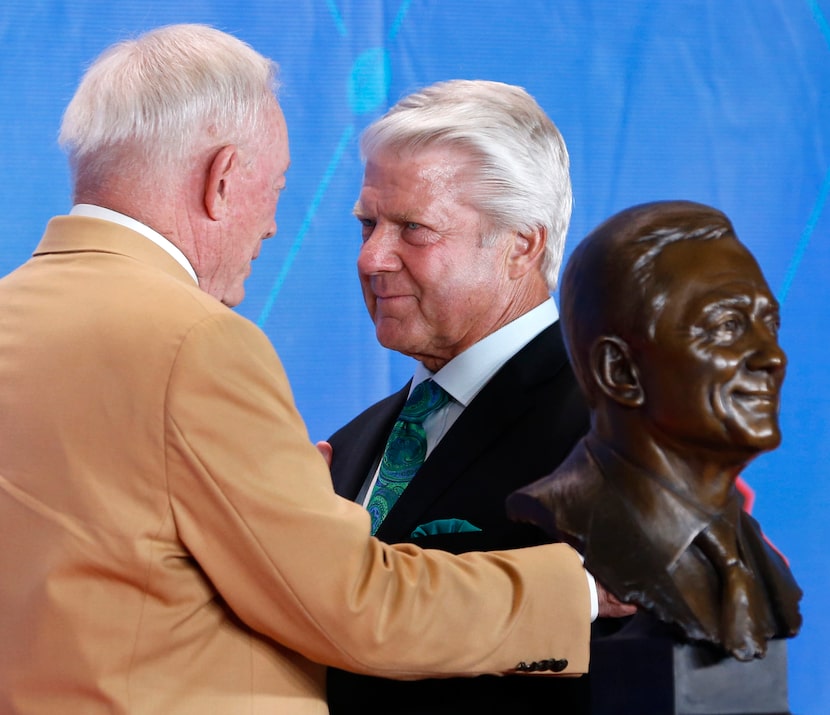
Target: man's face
point(255, 184)
point(431, 288)
point(713, 371)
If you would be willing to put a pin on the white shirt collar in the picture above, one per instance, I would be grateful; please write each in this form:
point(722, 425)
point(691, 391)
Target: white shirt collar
point(99, 212)
point(465, 375)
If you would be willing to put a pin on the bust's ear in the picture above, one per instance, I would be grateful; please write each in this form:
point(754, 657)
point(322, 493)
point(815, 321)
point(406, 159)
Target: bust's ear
point(615, 372)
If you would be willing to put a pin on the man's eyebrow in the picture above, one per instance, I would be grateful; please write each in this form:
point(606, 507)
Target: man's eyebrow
point(399, 218)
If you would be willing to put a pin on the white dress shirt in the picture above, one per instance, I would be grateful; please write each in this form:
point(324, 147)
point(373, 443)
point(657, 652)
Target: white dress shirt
point(466, 374)
point(100, 212)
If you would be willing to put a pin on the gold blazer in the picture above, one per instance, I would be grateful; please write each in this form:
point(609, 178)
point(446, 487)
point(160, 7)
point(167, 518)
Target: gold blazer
point(171, 542)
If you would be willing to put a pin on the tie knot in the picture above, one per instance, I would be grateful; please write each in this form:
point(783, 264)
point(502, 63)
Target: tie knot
point(427, 397)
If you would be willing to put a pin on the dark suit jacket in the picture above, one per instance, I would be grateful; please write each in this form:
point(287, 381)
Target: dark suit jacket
point(520, 426)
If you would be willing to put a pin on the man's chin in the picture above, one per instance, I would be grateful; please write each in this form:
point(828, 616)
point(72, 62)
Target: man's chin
point(233, 298)
point(391, 333)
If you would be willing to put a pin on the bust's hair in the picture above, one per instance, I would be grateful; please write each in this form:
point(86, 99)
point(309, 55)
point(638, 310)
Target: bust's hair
point(519, 160)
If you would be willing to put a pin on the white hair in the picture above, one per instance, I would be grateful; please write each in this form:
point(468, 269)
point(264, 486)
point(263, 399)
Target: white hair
point(521, 164)
point(165, 95)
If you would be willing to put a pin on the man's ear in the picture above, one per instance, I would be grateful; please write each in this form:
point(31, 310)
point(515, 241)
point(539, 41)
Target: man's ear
point(615, 372)
point(219, 174)
point(526, 250)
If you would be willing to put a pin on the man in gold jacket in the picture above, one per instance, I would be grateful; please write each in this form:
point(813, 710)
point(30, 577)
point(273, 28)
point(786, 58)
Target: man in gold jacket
point(171, 543)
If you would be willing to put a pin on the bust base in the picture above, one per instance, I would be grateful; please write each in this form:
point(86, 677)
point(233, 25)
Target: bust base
point(643, 669)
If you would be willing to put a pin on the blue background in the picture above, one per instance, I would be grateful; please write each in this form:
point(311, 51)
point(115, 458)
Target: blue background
point(721, 101)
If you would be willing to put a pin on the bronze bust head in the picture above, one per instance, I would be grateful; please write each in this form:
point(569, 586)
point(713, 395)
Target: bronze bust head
point(672, 331)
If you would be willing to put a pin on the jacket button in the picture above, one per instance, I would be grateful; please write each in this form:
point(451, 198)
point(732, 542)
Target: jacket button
point(558, 665)
point(555, 665)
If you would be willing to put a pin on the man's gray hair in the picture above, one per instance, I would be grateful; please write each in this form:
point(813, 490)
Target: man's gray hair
point(166, 94)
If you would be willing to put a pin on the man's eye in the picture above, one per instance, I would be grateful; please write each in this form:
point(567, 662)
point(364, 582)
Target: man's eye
point(416, 234)
point(367, 226)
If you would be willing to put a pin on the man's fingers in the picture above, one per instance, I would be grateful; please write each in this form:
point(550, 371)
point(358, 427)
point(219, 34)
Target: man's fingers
point(611, 607)
point(326, 450)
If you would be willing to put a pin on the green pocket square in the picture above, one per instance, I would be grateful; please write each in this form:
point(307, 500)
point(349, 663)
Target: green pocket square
point(443, 526)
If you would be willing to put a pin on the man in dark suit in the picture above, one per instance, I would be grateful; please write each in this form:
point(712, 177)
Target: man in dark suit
point(465, 205)
point(672, 331)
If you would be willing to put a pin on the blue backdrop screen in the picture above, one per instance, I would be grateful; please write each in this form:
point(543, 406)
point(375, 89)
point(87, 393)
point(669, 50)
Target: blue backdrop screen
point(724, 103)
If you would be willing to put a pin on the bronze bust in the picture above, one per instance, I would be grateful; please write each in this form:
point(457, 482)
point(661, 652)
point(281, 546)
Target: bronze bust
point(672, 331)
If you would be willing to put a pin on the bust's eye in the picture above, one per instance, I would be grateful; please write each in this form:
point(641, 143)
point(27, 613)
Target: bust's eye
point(727, 328)
point(773, 323)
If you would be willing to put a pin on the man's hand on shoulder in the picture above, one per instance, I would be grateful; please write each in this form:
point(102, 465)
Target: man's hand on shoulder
point(611, 607)
point(326, 450)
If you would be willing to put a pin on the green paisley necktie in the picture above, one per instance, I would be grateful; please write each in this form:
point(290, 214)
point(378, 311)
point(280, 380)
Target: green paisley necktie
point(405, 449)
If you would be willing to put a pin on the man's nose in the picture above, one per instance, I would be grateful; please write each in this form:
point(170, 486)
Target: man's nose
point(379, 252)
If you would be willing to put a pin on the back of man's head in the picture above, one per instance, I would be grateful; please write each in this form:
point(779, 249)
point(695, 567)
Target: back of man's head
point(151, 102)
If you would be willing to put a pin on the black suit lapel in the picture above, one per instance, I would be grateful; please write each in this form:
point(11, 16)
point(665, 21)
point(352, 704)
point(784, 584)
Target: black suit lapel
point(502, 401)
